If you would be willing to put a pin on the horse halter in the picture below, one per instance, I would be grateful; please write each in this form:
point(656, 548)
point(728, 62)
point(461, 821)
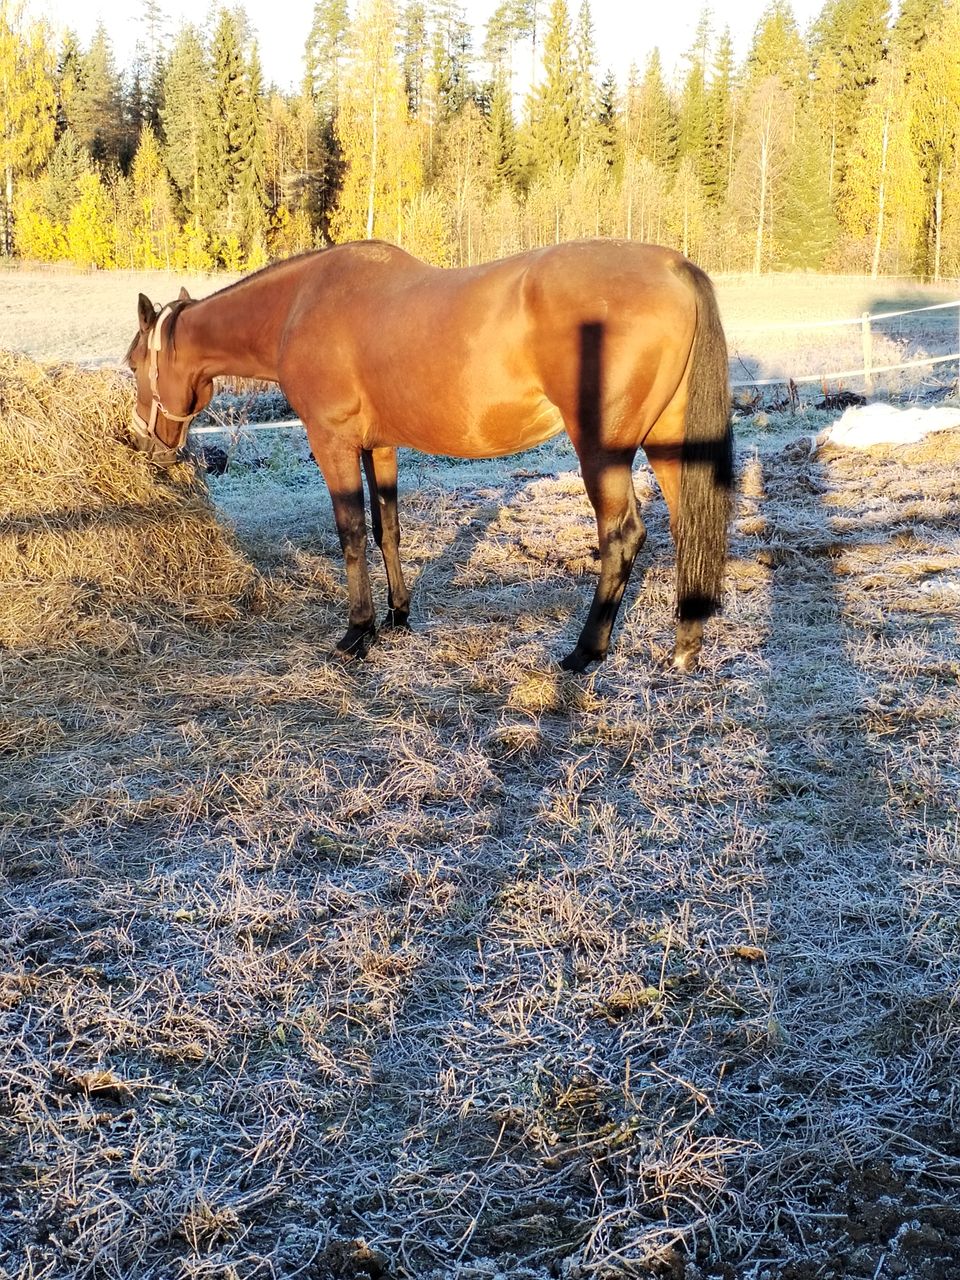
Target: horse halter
point(145, 433)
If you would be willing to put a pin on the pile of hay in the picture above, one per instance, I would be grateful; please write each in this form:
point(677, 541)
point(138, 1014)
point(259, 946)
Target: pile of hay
point(94, 542)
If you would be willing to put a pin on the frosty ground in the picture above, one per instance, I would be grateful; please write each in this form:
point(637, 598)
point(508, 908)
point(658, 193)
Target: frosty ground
point(449, 964)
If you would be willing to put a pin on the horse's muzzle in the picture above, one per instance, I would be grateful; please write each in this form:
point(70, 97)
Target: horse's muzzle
point(149, 443)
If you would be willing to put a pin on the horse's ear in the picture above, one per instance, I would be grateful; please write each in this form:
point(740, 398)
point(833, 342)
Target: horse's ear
point(145, 312)
point(183, 296)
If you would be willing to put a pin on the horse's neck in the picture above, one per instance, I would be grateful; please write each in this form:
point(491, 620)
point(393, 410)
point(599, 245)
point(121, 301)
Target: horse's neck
point(237, 331)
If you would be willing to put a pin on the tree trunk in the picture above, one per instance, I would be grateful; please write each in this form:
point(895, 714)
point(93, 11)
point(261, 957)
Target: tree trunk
point(762, 211)
point(372, 189)
point(938, 222)
point(881, 198)
point(8, 213)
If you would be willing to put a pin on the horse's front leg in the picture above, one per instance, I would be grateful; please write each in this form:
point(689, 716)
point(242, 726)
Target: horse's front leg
point(341, 470)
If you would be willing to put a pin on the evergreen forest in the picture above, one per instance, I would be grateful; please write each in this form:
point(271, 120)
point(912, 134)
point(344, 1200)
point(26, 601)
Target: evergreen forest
point(835, 148)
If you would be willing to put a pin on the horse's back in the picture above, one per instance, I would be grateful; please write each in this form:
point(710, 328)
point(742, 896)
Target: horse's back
point(494, 358)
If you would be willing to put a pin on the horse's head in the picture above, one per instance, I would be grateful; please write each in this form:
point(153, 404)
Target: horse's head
point(169, 394)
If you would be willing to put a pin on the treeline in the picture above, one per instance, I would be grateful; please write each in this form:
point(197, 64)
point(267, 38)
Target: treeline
point(834, 149)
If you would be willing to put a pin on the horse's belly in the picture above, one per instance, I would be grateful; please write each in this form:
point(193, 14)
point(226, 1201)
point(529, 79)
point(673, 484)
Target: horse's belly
point(511, 428)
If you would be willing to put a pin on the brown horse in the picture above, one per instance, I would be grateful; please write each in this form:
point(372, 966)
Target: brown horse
point(619, 344)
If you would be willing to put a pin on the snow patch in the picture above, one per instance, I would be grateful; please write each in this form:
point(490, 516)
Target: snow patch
point(862, 427)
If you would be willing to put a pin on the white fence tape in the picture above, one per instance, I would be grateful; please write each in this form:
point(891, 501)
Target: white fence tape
point(240, 429)
point(846, 373)
point(866, 372)
point(786, 326)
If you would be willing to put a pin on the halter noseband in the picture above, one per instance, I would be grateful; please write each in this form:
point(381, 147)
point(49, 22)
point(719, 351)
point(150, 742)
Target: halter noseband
point(146, 432)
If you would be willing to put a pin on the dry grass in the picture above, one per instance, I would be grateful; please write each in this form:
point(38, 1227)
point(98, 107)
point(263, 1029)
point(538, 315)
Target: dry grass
point(94, 539)
point(449, 965)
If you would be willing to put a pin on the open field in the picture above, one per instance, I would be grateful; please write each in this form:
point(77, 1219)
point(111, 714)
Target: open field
point(449, 965)
point(64, 315)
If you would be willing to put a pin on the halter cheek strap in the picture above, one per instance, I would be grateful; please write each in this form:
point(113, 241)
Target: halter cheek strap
point(146, 431)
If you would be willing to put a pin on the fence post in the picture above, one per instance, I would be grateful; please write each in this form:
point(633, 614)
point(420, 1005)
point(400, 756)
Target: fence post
point(867, 354)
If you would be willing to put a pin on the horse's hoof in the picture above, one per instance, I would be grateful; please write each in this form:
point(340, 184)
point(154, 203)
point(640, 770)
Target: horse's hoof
point(685, 660)
point(579, 659)
point(356, 643)
point(397, 620)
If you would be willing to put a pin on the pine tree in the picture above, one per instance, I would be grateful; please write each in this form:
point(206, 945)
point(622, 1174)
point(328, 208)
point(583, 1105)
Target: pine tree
point(916, 21)
point(650, 124)
point(67, 77)
point(27, 106)
point(586, 84)
point(135, 114)
point(554, 126)
point(324, 54)
point(501, 33)
point(415, 49)
point(67, 162)
point(185, 111)
point(778, 49)
point(228, 128)
point(609, 141)
point(718, 159)
point(693, 123)
point(807, 229)
point(850, 37)
point(504, 163)
point(251, 193)
point(149, 61)
point(95, 112)
point(450, 58)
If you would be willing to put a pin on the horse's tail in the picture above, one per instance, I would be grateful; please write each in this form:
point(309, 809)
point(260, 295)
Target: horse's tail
point(706, 479)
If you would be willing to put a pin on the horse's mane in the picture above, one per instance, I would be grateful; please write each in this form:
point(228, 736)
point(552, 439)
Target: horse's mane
point(175, 309)
point(269, 269)
point(178, 306)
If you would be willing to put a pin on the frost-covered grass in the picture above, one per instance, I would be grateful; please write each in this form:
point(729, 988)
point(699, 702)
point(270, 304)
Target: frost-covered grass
point(451, 965)
point(448, 964)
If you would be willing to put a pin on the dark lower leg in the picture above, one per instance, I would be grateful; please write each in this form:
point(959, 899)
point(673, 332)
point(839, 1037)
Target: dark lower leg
point(667, 467)
point(622, 534)
point(352, 531)
point(686, 648)
point(380, 466)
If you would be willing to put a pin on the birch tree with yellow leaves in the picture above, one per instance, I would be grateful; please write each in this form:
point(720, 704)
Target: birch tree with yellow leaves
point(27, 105)
point(881, 200)
point(379, 147)
point(935, 101)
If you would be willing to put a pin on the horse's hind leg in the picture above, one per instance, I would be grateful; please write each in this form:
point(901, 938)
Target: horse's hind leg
point(608, 480)
point(667, 465)
point(380, 466)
